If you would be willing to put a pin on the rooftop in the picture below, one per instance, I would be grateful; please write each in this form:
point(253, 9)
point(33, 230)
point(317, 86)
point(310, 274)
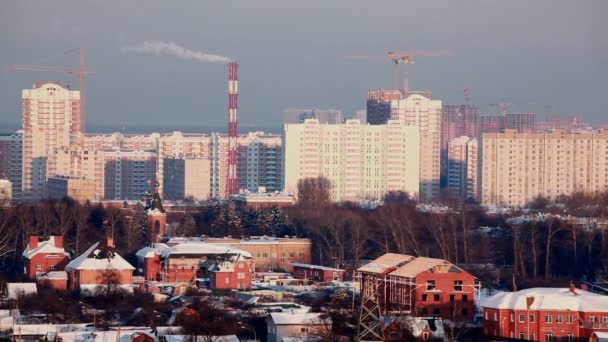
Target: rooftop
point(316, 267)
point(92, 259)
point(549, 298)
point(288, 318)
point(47, 247)
point(385, 263)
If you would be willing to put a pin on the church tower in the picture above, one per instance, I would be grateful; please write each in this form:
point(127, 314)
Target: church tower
point(157, 217)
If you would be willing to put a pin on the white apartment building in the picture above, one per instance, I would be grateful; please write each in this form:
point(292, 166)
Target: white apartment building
point(462, 167)
point(517, 168)
point(11, 154)
point(260, 162)
point(51, 120)
point(420, 111)
point(362, 161)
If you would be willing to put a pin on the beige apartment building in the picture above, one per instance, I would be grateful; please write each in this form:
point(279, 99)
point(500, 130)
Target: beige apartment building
point(516, 168)
point(51, 120)
point(187, 178)
point(363, 162)
point(419, 110)
point(79, 189)
point(77, 163)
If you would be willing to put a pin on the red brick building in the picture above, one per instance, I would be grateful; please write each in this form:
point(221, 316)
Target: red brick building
point(157, 217)
point(91, 269)
point(44, 255)
point(57, 280)
point(316, 272)
point(231, 273)
point(546, 314)
point(421, 286)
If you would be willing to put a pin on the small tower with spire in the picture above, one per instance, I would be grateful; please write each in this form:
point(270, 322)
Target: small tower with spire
point(157, 217)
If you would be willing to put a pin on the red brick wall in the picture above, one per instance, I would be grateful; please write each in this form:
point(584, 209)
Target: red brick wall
point(46, 262)
point(162, 222)
point(449, 307)
point(152, 268)
point(231, 280)
point(87, 277)
point(57, 284)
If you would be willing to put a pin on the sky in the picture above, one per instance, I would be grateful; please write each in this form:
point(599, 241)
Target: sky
point(544, 56)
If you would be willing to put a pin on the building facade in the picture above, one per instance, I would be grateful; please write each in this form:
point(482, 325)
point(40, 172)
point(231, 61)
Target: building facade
point(546, 314)
point(298, 115)
point(128, 174)
point(11, 154)
point(76, 163)
point(44, 255)
point(517, 168)
point(462, 168)
point(186, 178)
point(379, 105)
point(78, 189)
point(361, 161)
point(260, 162)
point(51, 120)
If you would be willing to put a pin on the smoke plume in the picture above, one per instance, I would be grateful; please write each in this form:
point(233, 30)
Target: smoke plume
point(160, 48)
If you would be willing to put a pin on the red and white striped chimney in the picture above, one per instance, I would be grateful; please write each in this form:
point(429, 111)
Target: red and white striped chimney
point(232, 181)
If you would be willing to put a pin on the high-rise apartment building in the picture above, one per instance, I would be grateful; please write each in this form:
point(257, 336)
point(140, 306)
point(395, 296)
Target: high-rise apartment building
point(491, 124)
point(51, 120)
point(325, 116)
point(362, 162)
point(260, 162)
point(563, 123)
point(522, 122)
point(456, 121)
point(379, 105)
point(76, 163)
point(182, 146)
point(519, 167)
point(11, 154)
point(419, 110)
point(462, 167)
point(79, 189)
point(187, 178)
point(129, 174)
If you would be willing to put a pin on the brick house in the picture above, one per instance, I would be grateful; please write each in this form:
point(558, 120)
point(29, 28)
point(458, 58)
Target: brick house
point(232, 272)
point(57, 280)
point(421, 286)
point(316, 272)
point(44, 255)
point(89, 270)
point(546, 314)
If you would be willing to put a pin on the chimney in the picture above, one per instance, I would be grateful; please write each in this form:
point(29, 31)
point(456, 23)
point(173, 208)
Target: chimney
point(110, 242)
point(584, 287)
point(58, 240)
point(33, 242)
point(573, 289)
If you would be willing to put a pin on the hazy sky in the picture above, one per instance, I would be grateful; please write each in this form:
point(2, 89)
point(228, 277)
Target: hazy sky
point(293, 54)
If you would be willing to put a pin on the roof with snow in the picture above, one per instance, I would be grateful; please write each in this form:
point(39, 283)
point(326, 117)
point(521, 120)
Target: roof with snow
point(47, 247)
point(91, 260)
point(316, 267)
point(549, 298)
point(386, 262)
point(199, 247)
point(52, 275)
point(226, 265)
point(288, 318)
point(15, 290)
point(423, 264)
point(150, 251)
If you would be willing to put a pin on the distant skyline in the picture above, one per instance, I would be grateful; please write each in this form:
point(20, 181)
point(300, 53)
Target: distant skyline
point(543, 56)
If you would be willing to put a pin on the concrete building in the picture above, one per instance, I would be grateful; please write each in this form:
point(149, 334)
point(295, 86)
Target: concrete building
point(11, 154)
point(187, 178)
point(78, 189)
point(545, 314)
point(260, 162)
point(180, 145)
point(325, 116)
point(517, 168)
point(128, 173)
point(462, 167)
point(6, 190)
point(76, 163)
point(562, 123)
point(522, 122)
point(378, 110)
point(361, 161)
point(51, 120)
point(491, 124)
point(419, 110)
point(456, 121)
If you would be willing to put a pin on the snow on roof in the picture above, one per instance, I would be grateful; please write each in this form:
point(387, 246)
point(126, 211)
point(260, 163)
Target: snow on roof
point(189, 338)
point(149, 251)
point(54, 275)
point(385, 262)
point(47, 246)
point(15, 290)
point(86, 262)
point(417, 266)
point(549, 298)
point(110, 335)
point(315, 267)
point(601, 336)
point(226, 265)
point(288, 318)
point(200, 247)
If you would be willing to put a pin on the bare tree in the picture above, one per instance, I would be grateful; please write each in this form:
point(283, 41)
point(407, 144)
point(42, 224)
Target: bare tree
point(553, 227)
point(110, 279)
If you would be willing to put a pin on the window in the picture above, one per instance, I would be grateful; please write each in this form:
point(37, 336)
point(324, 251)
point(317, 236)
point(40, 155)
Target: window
point(305, 329)
point(605, 319)
point(430, 285)
point(465, 311)
point(38, 266)
point(521, 336)
point(532, 318)
point(452, 298)
point(227, 280)
point(283, 259)
point(394, 336)
point(241, 265)
point(436, 297)
point(425, 335)
point(532, 337)
point(424, 295)
point(512, 317)
point(522, 318)
point(52, 267)
point(240, 275)
point(457, 285)
point(548, 319)
point(569, 338)
point(465, 298)
point(592, 319)
point(436, 311)
point(548, 337)
point(495, 316)
point(558, 319)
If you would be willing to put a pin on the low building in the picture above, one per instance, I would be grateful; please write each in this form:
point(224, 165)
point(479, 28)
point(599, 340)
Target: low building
point(546, 314)
point(44, 255)
point(57, 280)
point(99, 266)
point(264, 200)
point(282, 325)
point(79, 189)
point(316, 272)
point(269, 253)
point(420, 328)
point(421, 287)
point(232, 272)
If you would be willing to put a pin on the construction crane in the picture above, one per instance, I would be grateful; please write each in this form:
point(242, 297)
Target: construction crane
point(80, 70)
point(406, 58)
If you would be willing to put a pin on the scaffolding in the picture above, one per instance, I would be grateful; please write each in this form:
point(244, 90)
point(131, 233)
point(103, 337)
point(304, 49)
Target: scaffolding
point(369, 327)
